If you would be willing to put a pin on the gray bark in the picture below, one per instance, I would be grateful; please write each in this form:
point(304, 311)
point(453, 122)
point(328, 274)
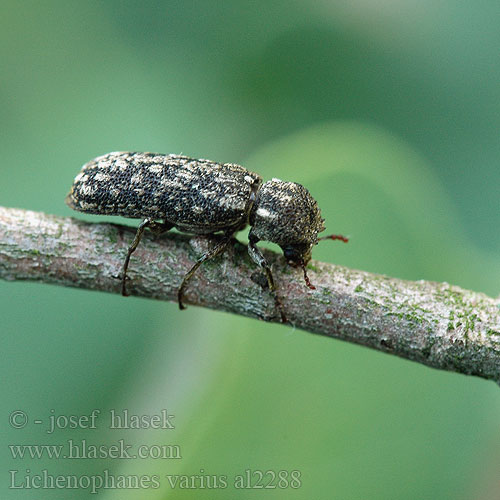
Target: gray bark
point(437, 324)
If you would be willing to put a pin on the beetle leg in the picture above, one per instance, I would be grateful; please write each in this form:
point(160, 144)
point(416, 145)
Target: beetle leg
point(213, 252)
point(157, 228)
point(260, 260)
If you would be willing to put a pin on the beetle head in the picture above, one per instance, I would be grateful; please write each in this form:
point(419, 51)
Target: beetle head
point(286, 214)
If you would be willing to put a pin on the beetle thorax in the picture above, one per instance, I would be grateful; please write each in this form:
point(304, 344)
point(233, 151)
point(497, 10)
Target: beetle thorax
point(286, 214)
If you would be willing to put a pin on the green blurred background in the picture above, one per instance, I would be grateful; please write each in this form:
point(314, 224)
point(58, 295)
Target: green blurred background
point(389, 112)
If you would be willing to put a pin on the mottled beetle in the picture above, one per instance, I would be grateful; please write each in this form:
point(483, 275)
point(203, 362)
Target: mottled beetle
point(201, 197)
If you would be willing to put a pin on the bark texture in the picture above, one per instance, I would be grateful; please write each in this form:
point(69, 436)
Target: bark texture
point(437, 324)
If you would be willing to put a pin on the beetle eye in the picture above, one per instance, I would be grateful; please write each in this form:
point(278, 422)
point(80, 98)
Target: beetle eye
point(288, 253)
point(297, 253)
point(291, 254)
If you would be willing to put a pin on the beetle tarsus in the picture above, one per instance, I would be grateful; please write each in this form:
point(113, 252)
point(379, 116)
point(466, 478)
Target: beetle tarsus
point(306, 278)
point(216, 250)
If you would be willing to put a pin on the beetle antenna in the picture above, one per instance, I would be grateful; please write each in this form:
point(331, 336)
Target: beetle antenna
point(306, 278)
point(334, 237)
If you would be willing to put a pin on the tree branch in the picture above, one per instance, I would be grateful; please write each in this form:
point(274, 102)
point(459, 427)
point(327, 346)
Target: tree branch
point(436, 324)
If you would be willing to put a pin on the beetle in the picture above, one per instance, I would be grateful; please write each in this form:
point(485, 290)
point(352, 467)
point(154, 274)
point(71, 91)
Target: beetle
point(202, 197)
